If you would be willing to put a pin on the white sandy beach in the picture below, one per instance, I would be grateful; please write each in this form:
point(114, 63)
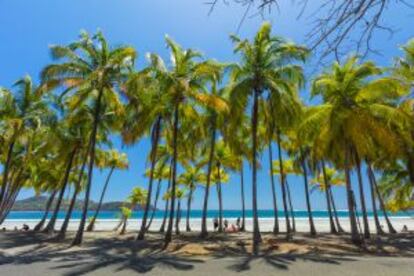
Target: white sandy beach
point(266, 224)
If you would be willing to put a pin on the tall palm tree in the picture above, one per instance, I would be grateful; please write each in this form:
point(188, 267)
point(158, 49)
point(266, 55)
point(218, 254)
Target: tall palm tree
point(266, 66)
point(184, 80)
point(353, 120)
point(91, 73)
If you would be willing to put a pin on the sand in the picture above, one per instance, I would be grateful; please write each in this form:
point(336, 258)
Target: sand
point(107, 253)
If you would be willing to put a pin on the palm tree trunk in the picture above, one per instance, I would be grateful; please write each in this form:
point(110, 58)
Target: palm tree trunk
point(157, 195)
point(155, 140)
point(308, 203)
point(124, 225)
point(350, 198)
point(6, 171)
point(282, 184)
point(328, 199)
point(272, 184)
point(220, 199)
point(98, 208)
point(164, 221)
point(338, 225)
point(391, 228)
point(91, 148)
point(374, 202)
point(49, 202)
point(256, 231)
point(362, 197)
point(189, 200)
point(204, 232)
point(50, 228)
point(292, 214)
point(243, 224)
point(78, 186)
point(178, 218)
point(63, 229)
point(168, 234)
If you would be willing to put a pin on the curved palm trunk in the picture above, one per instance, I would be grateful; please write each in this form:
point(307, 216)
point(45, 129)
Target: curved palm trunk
point(189, 200)
point(63, 229)
point(6, 172)
point(272, 184)
point(350, 199)
point(308, 203)
point(391, 228)
point(204, 232)
point(256, 231)
point(282, 184)
point(243, 224)
point(98, 209)
point(338, 225)
point(91, 148)
point(168, 234)
point(374, 202)
point(50, 228)
point(49, 202)
point(328, 199)
point(155, 141)
point(362, 197)
point(292, 214)
point(157, 195)
point(178, 218)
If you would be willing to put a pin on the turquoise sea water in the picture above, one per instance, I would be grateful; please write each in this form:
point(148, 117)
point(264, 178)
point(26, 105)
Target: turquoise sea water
point(21, 215)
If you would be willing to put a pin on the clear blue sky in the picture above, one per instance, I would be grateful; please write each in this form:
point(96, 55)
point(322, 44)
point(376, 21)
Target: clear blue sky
point(27, 28)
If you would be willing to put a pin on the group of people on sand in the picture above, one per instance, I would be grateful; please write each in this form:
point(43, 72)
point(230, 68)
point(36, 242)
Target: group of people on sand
point(229, 228)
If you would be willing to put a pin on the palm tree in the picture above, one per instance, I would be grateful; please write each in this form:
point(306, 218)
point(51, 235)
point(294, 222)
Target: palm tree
point(213, 120)
point(147, 109)
point(353, 120)
point(114, 160)
point(288, 168)
point(138, 196)
point(180, 195)
point(265, 67)
point(22, 112)
point(324, 181)
point(192, 176)
point(184, 82)
point(91, 71)
point(162, 172)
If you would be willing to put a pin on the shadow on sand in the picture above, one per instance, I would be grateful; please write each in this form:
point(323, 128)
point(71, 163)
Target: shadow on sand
point(127, 254)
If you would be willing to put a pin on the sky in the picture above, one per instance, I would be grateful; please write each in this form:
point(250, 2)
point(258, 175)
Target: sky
point(29, 27)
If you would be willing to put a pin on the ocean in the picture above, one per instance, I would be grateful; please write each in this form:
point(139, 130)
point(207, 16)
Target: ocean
point(22, 215)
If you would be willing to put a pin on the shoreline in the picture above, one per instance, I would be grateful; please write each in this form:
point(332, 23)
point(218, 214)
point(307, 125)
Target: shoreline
point(265, 224)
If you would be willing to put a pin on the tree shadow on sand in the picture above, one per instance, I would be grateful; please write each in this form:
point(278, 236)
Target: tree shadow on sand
point(121, 254)
point(125, 253)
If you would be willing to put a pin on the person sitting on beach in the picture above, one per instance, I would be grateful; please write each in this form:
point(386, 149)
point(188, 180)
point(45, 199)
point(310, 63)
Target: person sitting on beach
point(25, 227)
point(3, 229)
point(231, 229)
point(215, 223)
point(404, 229)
